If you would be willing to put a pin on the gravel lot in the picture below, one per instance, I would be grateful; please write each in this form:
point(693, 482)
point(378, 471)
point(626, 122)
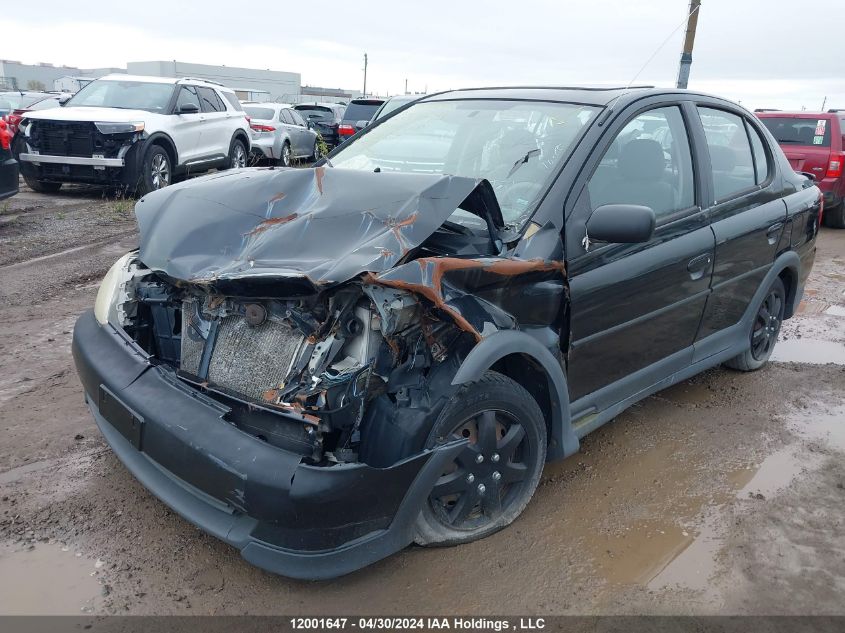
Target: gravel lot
point(723, 494)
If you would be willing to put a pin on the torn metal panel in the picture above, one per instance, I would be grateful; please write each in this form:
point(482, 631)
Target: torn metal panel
point(320, 226)
point(484, 295)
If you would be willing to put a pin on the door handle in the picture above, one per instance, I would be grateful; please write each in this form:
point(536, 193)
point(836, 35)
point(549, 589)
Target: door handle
point(773, 232)
point(698, 265)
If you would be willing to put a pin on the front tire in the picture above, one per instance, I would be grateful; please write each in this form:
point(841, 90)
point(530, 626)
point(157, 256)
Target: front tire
point(41, 186)
point(835, 216)
point(764, 330)
point(492, 480)
point(156, 171)
point(285, 159)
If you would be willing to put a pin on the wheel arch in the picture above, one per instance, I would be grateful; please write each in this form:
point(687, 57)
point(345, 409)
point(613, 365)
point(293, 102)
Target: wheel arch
point(243, 137)
point(789, 276)
point(525, 360)
point(163, 140)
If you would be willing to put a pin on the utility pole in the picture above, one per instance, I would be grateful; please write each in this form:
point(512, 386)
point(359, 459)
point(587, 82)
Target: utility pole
point(689, 40)
point(406, 86)
point(365, 76)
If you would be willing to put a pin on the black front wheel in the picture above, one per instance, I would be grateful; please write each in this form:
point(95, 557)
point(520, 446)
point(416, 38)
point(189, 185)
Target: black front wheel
point(764, 330)
point(41, 186)
point(835, 216)
point(492, 480)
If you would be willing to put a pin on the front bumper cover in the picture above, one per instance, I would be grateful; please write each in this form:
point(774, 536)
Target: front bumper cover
point(287, 517)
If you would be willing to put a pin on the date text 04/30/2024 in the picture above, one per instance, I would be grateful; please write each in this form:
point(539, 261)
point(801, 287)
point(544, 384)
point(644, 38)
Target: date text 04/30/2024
point(423, 623)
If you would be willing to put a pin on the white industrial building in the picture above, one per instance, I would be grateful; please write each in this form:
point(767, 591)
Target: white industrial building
point(250, 84)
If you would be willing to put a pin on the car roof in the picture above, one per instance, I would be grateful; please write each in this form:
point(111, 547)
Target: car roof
point(368, 100)
point(804, 114)
point(587, 95)
point(325, 104)
point(165, 80)
point(268, 104)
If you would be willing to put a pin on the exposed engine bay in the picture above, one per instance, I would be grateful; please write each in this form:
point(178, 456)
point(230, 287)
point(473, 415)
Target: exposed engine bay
point(336, 370)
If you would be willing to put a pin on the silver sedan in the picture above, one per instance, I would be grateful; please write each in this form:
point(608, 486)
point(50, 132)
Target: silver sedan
point(280, 134)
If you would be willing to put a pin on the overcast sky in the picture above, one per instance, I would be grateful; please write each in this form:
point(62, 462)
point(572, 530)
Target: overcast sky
point(764, 53)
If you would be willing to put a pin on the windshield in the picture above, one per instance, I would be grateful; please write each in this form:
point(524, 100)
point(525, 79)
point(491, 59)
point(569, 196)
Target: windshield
point(266, 114)
point(516, 145)
point(799, 130)
point(130, 95)
point(393, 104)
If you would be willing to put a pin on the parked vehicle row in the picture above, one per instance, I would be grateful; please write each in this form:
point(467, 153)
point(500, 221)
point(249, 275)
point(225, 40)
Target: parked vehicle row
point(331, 363)
point(138, 133)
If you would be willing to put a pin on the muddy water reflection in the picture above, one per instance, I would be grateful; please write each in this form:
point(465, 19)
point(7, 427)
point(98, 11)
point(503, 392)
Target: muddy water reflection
point(46, 581)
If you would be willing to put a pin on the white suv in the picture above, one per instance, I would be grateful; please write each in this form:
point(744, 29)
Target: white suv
point(138, 133)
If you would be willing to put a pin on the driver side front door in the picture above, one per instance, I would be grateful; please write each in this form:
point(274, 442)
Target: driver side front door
point(636, 308)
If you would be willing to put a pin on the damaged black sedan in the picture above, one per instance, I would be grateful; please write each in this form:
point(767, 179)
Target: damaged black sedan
point(321, 366)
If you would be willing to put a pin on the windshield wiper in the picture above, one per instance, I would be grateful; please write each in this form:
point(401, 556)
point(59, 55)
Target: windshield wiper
point(520, 162)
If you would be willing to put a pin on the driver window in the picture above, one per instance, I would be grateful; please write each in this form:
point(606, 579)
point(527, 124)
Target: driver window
point(187, 94)
point(649, 163)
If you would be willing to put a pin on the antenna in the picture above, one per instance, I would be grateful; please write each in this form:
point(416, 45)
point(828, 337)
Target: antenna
point(654, 54)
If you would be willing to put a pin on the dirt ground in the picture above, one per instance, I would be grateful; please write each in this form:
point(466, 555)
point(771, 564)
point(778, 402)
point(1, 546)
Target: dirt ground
point(723, 494)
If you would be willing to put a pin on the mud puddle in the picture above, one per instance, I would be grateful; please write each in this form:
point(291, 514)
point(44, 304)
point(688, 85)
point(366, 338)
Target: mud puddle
point(47, 580)
point(803, 350)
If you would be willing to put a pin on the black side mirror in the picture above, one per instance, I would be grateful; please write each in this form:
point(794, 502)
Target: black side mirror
point(621, 224)
point(188, 108)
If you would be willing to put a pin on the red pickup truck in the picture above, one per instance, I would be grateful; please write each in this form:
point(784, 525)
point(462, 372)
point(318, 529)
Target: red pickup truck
point(813, 142)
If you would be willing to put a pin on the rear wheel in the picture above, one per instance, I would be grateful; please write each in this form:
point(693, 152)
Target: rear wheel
point(237, 155)
point(491, 481)
point(764, 330)
point(835, 216)
point(41, 186)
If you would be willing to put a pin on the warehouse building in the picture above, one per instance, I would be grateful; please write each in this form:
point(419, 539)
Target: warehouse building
point(272, 85)
point(250, 84)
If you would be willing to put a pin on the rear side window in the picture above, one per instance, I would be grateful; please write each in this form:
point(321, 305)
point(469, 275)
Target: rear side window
point(730, 152)
point(233, 101)
point(761, 161)
point(649, 163)
point(187, 94)
point(210, 101)
point(799, 130)
point(286, 116)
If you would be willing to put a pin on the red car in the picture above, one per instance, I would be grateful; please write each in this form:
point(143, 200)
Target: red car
point(814, 143)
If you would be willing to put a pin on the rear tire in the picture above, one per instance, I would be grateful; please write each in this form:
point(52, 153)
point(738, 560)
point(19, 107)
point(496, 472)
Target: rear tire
point(764, 330)
point(41, 186)
point(237, 155)
point(835, 216)
point(493, 479)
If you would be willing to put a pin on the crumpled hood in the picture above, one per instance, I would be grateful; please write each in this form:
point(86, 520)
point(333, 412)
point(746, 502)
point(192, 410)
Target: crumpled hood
point(320, 225)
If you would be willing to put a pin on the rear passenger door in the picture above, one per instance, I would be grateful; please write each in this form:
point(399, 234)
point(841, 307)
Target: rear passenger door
point(635, 308)
point(217, 130)
point(304, 138)
point(747, 215)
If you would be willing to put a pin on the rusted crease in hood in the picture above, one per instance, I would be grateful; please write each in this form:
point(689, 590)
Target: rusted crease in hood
point(324, 225)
